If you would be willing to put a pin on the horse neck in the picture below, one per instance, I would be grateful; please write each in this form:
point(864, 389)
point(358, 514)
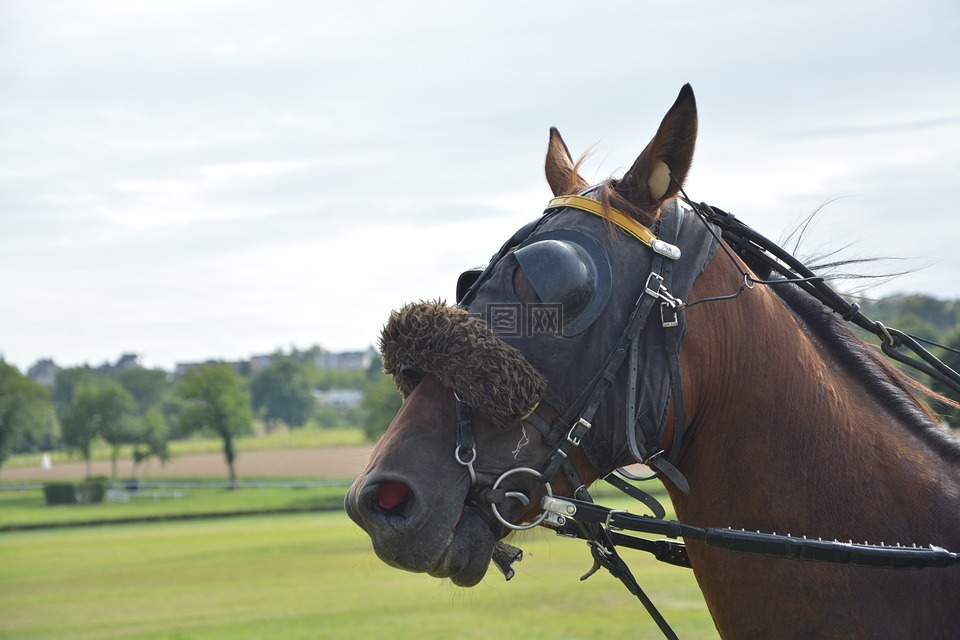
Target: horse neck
point(783, 437)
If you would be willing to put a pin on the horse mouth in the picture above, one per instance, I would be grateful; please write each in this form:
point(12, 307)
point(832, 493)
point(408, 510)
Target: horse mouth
point(454, 541)
point(466, 557)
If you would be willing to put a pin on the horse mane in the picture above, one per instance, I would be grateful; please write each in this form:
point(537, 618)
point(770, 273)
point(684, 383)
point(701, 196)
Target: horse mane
point(892, 388)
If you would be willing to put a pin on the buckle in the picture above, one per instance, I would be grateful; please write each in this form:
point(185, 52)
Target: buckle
point(655, 292)
point(652, 457)
point(611, 514)
point(575, 439)
point(671, 320)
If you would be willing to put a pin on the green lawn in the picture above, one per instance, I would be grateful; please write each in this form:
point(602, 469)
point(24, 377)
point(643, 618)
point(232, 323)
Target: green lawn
point(27, 507)
point(309, 576)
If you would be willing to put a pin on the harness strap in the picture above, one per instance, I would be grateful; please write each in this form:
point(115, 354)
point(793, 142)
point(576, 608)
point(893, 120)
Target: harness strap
point(671, 330)
point(757, 250)
point(466, 451)
point(602, 382)
point(562, 445)
point(575, 423)
point(637, 494)
point(605, 555)
point(887, 556)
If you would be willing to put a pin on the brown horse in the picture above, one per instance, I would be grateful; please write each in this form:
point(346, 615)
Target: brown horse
point(778, 417)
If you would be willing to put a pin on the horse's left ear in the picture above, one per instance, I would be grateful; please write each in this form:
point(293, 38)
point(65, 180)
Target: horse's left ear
point(659, 170)
point(560, 168)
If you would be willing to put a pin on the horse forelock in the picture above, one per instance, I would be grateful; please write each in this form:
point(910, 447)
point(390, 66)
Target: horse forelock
point(608, 194)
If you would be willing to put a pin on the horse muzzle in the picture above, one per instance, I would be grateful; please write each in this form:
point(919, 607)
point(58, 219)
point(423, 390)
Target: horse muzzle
point(411, 531)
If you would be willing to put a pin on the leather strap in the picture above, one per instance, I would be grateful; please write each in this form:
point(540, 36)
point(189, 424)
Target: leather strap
point(625, 222)
point(605, 555)
point(638, 494)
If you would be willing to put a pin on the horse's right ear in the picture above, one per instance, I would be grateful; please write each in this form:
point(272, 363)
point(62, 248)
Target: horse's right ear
point(561, 171)
point(662, 167)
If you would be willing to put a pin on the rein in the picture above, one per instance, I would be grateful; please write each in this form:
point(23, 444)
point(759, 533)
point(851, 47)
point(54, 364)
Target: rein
point(764, 254)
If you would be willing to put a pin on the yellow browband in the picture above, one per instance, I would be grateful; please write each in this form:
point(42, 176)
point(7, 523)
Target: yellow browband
point(625, 222)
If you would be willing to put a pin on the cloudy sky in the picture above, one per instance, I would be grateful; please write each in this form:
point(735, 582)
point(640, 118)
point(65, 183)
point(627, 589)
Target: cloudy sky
point(203, 179)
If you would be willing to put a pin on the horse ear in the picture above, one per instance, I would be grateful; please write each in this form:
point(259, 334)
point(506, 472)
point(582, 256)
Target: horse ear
point(561, 171)
point(662, 167)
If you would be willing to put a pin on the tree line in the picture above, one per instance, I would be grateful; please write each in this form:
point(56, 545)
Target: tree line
point(936, 323)
point(144, 409)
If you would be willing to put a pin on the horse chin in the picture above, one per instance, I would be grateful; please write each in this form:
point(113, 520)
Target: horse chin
point(466, 559)
point(461, 554)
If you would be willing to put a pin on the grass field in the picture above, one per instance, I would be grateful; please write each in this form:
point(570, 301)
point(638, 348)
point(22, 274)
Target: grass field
point(20, 508)
point(310, 576)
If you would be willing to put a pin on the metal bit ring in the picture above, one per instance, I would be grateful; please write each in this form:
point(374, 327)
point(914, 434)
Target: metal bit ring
point(521, 497)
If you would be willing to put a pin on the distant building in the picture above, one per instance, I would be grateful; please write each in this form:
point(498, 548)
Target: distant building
point(126, 361)
point(259, 363)
point(44, 372)
point(344, 361)
point(339, 398)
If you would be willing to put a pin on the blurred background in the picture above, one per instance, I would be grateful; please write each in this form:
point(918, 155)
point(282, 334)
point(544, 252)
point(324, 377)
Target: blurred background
point(214, 203)
point(192, 180)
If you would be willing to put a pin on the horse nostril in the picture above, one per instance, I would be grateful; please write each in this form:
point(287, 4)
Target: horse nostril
point(393, 495)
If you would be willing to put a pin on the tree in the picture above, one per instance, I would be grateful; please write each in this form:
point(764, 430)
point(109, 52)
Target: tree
point(78, 422)
point(117, 419)
point(379, 406)
point(215, 400)
point(26, 413)
point(66, 383)
point(951, 358)
point(149, 387)
point(151, 438)
point(283, 392)
point(106, 410)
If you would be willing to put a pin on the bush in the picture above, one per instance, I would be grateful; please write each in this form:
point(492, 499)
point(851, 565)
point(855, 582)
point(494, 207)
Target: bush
point(88, 492)
point(92, 491)
point(59, 493)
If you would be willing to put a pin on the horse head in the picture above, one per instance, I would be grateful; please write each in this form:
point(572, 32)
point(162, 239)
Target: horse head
point(502, 391)
point(561, 363)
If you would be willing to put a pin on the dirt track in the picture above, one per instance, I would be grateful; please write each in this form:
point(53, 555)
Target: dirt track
point(330, 462)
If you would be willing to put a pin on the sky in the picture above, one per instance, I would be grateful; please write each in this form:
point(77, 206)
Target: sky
point(211, 180)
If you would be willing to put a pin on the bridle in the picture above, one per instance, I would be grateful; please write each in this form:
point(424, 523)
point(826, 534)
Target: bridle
point(465, 454)
point(602, 527)
point(568, 430)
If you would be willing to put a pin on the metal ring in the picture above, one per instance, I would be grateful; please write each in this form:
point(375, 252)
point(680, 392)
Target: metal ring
point(884, 334)
point(467, 463)
point(500, 518)
point(456, 453)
